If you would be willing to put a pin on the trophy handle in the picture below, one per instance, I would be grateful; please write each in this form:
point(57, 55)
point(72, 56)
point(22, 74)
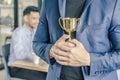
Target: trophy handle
point(79, 21)
point(60, 23)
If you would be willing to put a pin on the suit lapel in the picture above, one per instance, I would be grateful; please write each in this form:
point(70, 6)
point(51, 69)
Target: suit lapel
point(62, 5)
point(83, 18)
point(88, 2)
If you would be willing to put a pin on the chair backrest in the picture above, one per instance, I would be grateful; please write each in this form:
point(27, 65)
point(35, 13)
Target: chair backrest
point(6, 52)
point(1, 62)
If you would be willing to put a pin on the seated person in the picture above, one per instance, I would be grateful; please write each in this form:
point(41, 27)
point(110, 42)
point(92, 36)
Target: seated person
point(21, 45)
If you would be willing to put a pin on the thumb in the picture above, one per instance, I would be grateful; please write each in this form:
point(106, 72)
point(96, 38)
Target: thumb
point(76, 42)
point(63, 38)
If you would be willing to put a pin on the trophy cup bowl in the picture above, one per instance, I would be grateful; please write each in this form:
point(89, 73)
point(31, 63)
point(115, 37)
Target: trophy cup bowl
point(69, 24)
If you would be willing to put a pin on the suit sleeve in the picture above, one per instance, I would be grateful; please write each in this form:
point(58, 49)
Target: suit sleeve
point(41, 41)
point(110, 61)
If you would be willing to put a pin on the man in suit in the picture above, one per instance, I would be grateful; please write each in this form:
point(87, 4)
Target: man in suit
point(95, 52)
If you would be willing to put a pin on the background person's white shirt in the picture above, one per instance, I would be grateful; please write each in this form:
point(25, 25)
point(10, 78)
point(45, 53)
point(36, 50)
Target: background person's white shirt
point(21, 44)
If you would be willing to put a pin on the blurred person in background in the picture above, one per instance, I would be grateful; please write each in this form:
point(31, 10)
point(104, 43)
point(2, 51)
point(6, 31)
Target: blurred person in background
point(21, 45)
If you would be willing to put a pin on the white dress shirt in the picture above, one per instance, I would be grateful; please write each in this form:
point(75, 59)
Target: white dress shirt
point(21, 44)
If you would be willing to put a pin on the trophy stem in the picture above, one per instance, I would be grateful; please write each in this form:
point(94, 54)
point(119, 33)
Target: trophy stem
point(69, 33)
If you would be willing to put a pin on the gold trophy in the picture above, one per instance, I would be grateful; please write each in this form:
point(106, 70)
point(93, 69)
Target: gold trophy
point(70, 24)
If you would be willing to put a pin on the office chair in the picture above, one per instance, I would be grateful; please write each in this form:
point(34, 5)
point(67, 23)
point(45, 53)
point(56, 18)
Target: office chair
point(6, 51)
point(1, 63)
point(7, 38)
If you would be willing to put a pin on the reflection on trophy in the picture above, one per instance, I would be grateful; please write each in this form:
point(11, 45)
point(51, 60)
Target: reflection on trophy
point(70, 24)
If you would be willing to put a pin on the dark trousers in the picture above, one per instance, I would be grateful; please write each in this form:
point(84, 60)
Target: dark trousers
point(27, 74)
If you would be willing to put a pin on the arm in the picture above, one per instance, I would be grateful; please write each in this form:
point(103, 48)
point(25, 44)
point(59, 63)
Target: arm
point(41, 44)
point(110, 61)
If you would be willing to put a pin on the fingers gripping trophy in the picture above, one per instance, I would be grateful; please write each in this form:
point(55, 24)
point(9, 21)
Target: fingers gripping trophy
point(70, 24)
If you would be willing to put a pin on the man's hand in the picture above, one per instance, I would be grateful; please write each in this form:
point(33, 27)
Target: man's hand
point(70, 53)
point(61, 41)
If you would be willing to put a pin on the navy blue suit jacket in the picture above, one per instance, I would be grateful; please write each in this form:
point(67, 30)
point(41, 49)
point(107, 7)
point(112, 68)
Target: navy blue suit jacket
point(99, 33)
